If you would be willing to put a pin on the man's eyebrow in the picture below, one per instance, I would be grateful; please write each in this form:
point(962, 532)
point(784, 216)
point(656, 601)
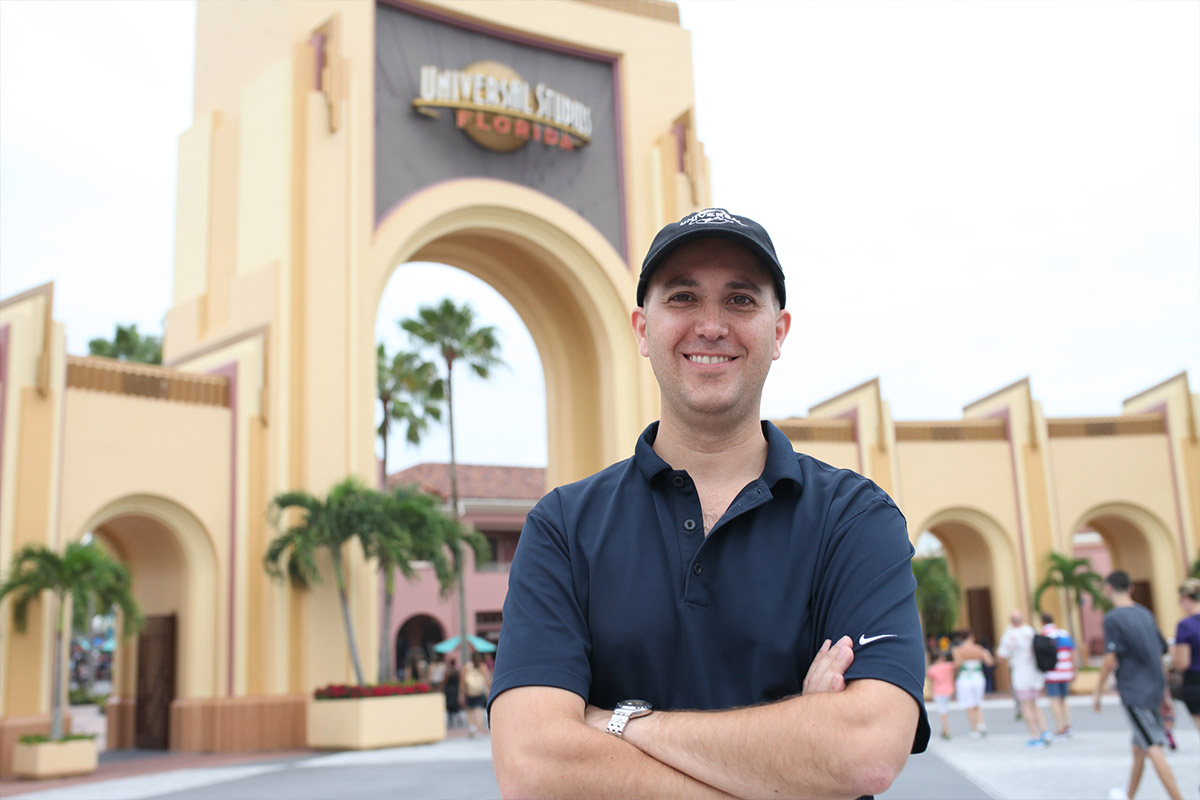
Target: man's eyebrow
point(682, 280)
point(745, 286)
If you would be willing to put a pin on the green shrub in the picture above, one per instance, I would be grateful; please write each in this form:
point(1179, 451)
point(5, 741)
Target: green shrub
point(37, 738)
point(81, 697)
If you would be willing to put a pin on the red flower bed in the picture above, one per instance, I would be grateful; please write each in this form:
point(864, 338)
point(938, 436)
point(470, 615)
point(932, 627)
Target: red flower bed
point(342, 691)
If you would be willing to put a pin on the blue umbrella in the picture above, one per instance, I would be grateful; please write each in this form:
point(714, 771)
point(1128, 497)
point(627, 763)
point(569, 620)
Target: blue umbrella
point(451, 644)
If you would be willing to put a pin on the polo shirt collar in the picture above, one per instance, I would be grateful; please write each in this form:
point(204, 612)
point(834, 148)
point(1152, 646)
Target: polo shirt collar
point(781, 458)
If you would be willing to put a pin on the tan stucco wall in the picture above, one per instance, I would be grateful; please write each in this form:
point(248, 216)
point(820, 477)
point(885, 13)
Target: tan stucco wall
point(170, 462)
point(32, 392)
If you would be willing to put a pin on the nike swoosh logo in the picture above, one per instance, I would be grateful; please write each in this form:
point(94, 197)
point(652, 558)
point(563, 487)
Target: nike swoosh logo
point(864, 639)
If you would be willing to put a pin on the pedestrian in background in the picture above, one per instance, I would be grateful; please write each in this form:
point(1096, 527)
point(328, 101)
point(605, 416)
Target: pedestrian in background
point(1016, 645)
point(969, 659)
point(437, 673)
point(473, 691)
point(1185, 654)
point(1058, 680)
point(941, 675)
point(1134, 647)
point(450, 690)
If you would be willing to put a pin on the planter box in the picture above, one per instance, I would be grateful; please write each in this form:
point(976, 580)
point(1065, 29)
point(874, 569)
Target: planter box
point(1085, 682)
point(55, 759)
point(368, 723)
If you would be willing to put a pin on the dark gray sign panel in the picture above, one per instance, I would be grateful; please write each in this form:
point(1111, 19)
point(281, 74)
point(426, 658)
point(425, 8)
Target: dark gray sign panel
point(455, 101)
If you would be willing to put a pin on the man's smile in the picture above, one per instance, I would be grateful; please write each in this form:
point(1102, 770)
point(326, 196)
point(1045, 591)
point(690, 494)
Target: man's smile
point(698, 359)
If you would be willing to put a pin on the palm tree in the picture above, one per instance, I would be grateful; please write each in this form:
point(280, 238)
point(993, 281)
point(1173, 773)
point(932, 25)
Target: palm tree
point(417, 530)
point(450, 331)
point(937, 594)
point(82, 571)
point(410, 393)
point(350, 510)
point(128, 345)
point(1076, 576)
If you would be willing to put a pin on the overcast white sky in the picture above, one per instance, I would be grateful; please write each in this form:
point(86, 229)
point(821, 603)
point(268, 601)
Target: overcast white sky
point(963, 194)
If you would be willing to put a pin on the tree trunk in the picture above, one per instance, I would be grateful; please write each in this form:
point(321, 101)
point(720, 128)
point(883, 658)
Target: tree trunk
point(458, 564)
point(385, 430)
point(341, 583)
point(1080, 657)
point(92, 656)
point(386, 672)
point(56, 709)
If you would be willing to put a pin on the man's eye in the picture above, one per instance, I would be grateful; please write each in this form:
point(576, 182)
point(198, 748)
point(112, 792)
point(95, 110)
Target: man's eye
point(741, 300)
point(679, 297)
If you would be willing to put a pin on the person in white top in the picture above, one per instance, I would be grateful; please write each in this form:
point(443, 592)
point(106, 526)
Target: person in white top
point(1027, 680)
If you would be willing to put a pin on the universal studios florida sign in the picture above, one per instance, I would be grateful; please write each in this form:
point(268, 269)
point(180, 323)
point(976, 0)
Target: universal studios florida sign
point(500, 111)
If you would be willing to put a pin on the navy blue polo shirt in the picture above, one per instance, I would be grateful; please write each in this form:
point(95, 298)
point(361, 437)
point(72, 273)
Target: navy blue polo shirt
point(616, 593)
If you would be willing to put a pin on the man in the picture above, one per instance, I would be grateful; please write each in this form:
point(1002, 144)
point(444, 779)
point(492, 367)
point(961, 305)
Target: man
point(1134, 648)
point(1058, 680)
point(708, 576)
point(1016, 645)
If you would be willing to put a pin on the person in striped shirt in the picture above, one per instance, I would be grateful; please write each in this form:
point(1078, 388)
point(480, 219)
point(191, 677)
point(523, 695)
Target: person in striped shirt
point(1058, 680)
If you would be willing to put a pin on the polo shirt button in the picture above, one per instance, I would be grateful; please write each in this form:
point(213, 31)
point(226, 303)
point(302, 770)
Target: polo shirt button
point(677, 480)
point(697, 568)
point(689, 524)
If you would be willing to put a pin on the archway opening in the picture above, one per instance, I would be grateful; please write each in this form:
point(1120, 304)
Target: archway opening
point(1120, 538)
point(1087, 543)
point(970, 561)
point(498, 420)
point(569, 287)
point(145, 672)
point(414, 644)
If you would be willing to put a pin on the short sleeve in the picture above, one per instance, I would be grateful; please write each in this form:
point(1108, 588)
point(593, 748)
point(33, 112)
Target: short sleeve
point(1113, 643)
point(545, 640)
point(867, 591)
point(1005, 648)
point(1185, 633)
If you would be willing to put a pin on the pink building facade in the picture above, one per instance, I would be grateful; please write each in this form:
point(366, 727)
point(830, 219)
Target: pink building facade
point(495, 501)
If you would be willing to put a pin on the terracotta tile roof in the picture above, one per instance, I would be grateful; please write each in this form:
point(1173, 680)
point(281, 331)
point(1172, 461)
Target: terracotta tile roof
point(476, 481)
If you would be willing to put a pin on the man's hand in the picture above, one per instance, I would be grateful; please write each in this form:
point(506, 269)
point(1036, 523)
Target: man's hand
point(828, 669)
point(1096, 702)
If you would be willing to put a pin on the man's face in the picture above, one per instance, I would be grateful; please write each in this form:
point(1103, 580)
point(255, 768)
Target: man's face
point(711, 326)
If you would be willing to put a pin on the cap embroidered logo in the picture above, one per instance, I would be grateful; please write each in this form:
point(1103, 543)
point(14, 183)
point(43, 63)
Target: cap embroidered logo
point(712, 216)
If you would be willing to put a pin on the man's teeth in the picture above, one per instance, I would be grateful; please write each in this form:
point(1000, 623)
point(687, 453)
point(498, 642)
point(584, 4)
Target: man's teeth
point(709, 359)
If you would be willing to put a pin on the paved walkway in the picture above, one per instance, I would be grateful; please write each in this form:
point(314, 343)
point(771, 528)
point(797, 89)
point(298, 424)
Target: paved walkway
point(998, 767)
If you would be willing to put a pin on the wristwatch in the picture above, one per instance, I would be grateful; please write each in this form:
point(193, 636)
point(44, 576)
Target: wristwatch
point(625, 711)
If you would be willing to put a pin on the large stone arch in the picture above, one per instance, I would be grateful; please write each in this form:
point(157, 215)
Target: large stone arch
point(173, 537)
point(981, 554)
point(1139, 543)
point(571, 288)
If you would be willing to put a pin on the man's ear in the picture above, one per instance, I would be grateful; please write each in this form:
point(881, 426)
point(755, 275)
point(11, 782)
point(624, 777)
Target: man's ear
point(638, 321)
point(783, 324)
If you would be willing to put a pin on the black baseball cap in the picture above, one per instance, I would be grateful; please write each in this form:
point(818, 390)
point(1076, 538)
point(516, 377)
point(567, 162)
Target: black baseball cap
point(712, 222)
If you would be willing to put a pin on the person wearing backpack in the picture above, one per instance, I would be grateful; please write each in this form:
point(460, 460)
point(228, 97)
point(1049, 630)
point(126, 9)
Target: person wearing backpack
point(1017, 647)
point(1059, 677)
point(476, 683)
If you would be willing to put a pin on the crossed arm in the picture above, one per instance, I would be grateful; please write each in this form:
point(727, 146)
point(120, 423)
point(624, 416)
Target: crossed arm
point(832, 740)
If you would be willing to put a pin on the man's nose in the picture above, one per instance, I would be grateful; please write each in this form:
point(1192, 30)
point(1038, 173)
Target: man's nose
point(711, 322)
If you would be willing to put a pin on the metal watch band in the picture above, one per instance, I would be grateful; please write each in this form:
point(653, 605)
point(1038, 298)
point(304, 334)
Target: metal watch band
point(617, 722)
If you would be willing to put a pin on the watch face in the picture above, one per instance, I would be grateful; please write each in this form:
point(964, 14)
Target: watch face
point(635, 707)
